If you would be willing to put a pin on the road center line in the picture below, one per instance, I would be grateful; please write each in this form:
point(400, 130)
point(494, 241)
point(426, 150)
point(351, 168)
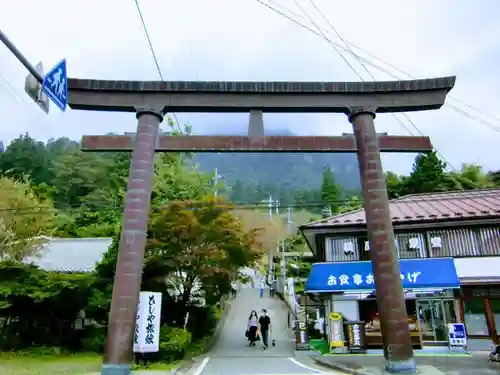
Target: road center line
point(202, 366)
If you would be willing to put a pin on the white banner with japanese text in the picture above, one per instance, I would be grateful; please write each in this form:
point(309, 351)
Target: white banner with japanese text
point(147, 326)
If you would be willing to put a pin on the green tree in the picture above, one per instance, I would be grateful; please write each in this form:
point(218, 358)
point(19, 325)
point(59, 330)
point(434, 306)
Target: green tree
point(39, 308)
point(352, 204)
point(395, 185)
point(200, 243)
point(330, 191)
point(26, 158)
point(428, 175)
point(495, 177)
point(472, 177)
point(24, 219)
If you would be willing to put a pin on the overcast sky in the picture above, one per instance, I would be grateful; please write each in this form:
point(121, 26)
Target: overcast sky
point(244, 40)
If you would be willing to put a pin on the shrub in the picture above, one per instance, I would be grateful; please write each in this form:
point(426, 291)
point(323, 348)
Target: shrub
point(94, 339)
point(202, 321)
point(173, 343)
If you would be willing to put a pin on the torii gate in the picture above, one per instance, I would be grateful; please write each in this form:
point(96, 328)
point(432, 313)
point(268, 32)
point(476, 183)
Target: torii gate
point(360, 101)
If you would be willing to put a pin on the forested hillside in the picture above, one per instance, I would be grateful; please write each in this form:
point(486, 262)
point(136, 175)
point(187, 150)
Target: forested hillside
point(87, 189)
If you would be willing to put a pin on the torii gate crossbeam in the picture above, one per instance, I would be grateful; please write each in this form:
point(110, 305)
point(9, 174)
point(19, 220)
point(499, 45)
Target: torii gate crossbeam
point(360, 101)
point(201, 143)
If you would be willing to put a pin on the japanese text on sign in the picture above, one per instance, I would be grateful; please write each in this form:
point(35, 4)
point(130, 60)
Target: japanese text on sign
point(457, 335)
point(147, 329)
point(150, 326)
point(368, 280)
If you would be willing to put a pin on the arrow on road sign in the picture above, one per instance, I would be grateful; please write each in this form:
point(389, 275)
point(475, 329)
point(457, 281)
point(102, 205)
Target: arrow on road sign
point(55, 85)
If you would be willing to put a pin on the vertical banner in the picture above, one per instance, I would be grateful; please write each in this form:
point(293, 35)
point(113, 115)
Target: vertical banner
point(147, 327)
point(291, 286)
point(355, 335)
point(336, 339)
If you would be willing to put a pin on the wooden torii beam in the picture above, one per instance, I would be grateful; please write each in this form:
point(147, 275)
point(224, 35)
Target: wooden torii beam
point(201, 143)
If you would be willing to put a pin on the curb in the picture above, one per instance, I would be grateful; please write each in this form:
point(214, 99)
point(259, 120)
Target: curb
point(339, 367)
point(176, 369)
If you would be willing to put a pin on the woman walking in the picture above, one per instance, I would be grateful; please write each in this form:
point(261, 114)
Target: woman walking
point(253, 322)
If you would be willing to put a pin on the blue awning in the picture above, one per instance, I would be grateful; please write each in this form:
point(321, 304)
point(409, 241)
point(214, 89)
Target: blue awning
point(415, 274)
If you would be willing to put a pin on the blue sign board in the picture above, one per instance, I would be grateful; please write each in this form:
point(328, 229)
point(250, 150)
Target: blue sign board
point(415, 274)
point(55, 85)
point(457, 335)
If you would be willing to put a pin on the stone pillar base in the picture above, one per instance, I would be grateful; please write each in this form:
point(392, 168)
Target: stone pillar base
point(110, 369)
point(401, 367)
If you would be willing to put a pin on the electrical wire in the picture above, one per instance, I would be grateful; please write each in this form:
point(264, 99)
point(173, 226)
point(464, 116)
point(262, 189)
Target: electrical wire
point(106, 206)
point(153, 54)
point(368, 62)
point(349, 49)
point(151, 48)
point(373, 77)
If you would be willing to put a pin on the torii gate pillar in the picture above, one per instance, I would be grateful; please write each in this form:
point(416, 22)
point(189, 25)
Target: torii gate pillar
point(132, 246)
point(398, 349)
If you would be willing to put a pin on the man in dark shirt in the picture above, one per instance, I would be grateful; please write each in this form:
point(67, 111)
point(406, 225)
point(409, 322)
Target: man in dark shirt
point(265, 325)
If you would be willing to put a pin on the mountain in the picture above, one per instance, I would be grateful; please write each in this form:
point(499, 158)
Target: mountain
point(292, 170)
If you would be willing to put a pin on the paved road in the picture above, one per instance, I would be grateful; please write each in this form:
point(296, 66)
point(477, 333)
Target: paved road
point(232, 356)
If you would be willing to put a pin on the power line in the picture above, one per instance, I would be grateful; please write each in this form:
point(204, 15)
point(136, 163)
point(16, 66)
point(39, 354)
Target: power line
point(378, 67)
point(348, 49)
point(371, 75)
point(107, 207)
point(150, 43)
point(358, 59)
point(151, 48)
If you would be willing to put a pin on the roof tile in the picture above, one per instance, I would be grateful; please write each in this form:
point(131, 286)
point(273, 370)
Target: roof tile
point(71, 254)
point(432, 206)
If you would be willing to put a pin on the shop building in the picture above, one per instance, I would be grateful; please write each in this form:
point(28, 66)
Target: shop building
point(449, 250)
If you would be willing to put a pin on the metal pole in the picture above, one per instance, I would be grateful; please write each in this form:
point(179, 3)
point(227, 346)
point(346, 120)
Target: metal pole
point(270, 205)
point(20, 56)
point(289, 220)
point(284, 261)
point(216, 180)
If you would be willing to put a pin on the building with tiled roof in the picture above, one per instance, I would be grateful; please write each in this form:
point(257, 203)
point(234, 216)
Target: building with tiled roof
point(449, 249)
point(430, 208)
point(71, 254)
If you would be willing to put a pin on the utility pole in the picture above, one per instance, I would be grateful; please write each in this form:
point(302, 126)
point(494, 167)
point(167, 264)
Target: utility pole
point(270, 206)
point(215, 181)
point(284, 261)
point(289, 220)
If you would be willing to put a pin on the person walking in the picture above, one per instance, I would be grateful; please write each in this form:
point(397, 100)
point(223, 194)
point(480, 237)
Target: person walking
point(252, 328)
point(265, 326)
point(272, 289)
point(262, 286)
point(234, 291)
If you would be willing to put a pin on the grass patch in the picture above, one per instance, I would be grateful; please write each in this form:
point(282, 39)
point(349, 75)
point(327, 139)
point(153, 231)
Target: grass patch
point(22, 364)
point(75, 364)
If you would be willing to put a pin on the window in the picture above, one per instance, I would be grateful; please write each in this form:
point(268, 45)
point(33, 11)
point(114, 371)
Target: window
point(454, 242)
point(411, 245)
point(495, 308)
point(475, 317)
point(489, 241)
point(342, 249)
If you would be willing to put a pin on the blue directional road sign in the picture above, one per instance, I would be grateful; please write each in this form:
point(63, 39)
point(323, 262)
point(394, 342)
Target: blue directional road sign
point(55, 85)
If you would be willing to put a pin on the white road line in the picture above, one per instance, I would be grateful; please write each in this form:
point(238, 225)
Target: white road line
point(202, 366)
point(302, 365)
